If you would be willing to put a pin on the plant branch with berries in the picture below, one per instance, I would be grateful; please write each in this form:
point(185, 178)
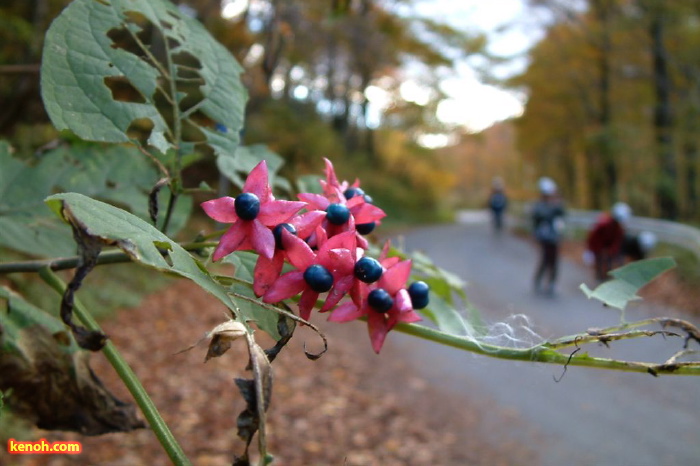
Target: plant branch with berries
point(314, 253)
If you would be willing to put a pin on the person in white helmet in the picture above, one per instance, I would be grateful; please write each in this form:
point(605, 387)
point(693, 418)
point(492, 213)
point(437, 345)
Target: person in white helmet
point(605, 239)
point(547, 222)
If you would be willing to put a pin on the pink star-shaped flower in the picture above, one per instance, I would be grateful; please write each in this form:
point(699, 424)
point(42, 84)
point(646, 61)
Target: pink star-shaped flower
point(384, 258)
point(251, 233)
point(268, 270)
point(331, 183)
point(393, 282)
point(360, 212)
point(335, 257)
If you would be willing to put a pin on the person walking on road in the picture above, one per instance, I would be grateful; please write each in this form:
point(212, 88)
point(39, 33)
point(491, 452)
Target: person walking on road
point(548, 224)
point(498, 202)
point(605, 239)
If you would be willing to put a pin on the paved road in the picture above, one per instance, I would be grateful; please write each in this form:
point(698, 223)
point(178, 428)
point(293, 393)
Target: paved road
point(591, 417)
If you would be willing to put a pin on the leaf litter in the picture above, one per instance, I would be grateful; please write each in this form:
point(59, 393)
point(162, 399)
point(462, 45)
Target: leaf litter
point(350, 407)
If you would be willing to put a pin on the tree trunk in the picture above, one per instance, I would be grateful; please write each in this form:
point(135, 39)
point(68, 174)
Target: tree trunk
point(666, 194)
point(607, 184)
point(274, 43)
point(691, 145)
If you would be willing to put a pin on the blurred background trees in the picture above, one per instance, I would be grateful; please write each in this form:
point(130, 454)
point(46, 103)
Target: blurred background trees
point(613, 103)
point(612, 110)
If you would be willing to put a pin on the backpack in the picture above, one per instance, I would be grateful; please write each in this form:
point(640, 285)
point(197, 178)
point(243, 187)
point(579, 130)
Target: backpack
point(546, 232)
point(548, 222)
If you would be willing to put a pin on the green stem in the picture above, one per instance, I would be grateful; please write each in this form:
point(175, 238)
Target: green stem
point(543, 353)
point(64, 263)
point(177, 117)
point(169, 212)
point(150, 412)
point(176, 181)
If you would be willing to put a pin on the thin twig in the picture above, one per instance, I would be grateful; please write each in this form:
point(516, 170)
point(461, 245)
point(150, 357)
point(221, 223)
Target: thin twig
point(290, 315)
point(191, 80)
point(151, 57)
point(563, 373)
point(20, 69)
point(681, 353)
point(541, 353)
point(153, 159)
point(186, 114)
point(169, 212)
point(605, 338)
point(166, 95)
point(275, 309)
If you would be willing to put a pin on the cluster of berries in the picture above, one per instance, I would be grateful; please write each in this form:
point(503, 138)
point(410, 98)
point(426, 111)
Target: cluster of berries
point(321, 236)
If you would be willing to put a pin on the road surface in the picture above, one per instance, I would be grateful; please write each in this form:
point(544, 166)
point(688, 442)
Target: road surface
point(589, 417)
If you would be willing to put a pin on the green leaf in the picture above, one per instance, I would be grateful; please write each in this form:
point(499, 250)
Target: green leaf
point(264, 318)
point(22, 316)
point(111, 65)
point(439, 279)
point(309, 184)
point(442, 282)
point(444, 285)
point(117, 174)
point(243, 263)
point(148, 246)
point(628, 280)
point(244, 267)
point(236, 166)
point(446, 317)
point(22, 222)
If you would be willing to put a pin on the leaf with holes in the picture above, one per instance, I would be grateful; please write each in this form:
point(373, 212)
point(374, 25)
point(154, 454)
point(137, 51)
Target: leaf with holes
point(113, 68)
point(118, 174)
point(148, 246)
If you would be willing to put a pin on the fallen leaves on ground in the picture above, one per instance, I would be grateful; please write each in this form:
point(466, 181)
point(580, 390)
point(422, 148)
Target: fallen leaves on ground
point(351, 407)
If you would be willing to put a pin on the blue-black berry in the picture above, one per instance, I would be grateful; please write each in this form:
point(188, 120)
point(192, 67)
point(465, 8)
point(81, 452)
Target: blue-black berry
point(365, 228)
point(247, 206)
point(318, 278)
point(352, 192)
point(277, 232)
point(419, 293)
point(337, 214)
point(368, 270)
point(368, 199)
point(380, 300)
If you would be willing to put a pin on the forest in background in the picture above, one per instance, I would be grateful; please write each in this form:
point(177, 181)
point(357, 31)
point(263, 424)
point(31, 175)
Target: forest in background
point(614, 104)
point(612, 112)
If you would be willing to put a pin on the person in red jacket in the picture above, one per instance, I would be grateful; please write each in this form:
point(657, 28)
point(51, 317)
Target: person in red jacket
point(604, 241)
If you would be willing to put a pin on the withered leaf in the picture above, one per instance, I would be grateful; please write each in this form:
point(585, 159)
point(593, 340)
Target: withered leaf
point(50, 378)
point(256, 392)
point(222, 336)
